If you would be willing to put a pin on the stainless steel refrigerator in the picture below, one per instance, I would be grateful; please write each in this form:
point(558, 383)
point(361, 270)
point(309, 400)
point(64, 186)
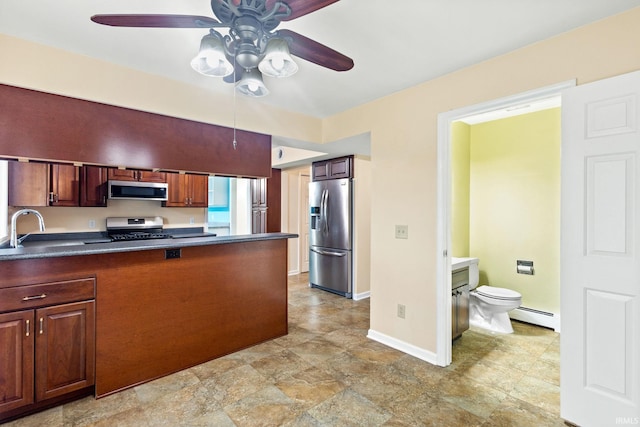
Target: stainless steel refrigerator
point(331, 236)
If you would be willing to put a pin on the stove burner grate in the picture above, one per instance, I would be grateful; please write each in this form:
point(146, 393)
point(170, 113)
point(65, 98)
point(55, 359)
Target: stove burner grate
point(138, 235)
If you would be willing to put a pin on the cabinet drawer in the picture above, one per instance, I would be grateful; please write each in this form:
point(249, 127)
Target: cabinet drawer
point(22, 297)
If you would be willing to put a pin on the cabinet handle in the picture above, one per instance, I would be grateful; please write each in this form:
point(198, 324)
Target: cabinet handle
point(32, 297)
point(28, 327)
point(51, 197)
point(41, 325)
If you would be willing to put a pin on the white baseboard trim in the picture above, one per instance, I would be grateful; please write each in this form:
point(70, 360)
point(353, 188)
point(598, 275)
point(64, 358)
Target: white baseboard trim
point(362, 295)
point(402, 346)
point(293, 272)
point(536, 317)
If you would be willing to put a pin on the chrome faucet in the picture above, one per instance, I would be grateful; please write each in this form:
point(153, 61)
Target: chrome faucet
point(15, 242)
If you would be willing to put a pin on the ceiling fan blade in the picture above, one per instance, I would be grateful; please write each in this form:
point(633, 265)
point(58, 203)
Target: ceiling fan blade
point(312, 51)
point(157, 21)
point(301, 7)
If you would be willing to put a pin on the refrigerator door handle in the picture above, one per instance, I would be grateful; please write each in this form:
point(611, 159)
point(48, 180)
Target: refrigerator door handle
point(324, 203)
point(330, 253)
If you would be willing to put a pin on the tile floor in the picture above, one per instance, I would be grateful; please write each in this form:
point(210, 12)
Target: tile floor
point(327, 373)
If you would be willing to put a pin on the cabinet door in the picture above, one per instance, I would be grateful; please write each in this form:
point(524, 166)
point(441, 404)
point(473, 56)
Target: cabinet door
point(148, 176)
point(259, 192)
point(65, 185)
point(16, 360)
point(177, 192)
point(93, 186)
point(123, 174)
point(258, 220)
point(28, 184)
point(320, 171)
point(65, 349)
point(463, 309)
point(198, 191)
point(340, 168)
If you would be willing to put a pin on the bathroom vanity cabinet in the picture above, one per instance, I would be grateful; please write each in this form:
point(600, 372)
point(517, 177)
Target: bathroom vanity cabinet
point(459, 302)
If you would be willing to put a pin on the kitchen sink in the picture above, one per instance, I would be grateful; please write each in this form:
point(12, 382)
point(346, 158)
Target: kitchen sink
point(51, 243)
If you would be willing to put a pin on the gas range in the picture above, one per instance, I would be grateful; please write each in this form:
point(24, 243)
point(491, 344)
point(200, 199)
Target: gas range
point(138, 228)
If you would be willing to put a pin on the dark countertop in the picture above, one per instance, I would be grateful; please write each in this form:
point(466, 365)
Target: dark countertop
point(77, 244)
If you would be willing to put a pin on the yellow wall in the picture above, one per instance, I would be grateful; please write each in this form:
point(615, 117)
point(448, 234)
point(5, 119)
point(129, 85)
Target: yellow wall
point(460, 169)
point(403, 129)
point(515, 204)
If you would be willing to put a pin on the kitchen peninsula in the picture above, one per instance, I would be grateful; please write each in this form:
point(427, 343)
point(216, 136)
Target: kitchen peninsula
point(160, 307)
point(82, 319)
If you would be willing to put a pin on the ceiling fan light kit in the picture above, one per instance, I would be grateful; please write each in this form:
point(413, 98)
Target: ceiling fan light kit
point(277, 61)
point(252, 47)
point(211, 59)
point(251, 84)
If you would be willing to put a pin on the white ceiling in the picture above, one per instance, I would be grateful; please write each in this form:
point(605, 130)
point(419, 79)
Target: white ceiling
point(394, 44)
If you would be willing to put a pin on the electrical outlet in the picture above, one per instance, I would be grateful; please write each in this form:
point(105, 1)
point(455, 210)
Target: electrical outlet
point(402, 231)
point(401, 311)
point(192, 220)
point(172, 253)
point(92, 223)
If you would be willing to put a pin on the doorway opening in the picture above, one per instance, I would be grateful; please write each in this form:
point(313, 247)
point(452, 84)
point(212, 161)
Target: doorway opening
point(503, 107)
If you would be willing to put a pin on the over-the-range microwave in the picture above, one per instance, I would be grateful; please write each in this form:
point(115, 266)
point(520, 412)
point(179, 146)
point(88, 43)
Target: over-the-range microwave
point(138, 190)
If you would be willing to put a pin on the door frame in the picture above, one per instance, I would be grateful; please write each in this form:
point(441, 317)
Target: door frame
point(443, 209)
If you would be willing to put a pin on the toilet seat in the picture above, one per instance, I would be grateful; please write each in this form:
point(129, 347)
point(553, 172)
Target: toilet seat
point(498, 293)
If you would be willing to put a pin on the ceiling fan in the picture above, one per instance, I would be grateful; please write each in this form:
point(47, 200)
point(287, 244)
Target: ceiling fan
point(253, 46)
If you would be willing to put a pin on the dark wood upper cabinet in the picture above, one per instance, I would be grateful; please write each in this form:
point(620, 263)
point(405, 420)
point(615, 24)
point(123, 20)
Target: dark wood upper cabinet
point(341, 167)
point(136, 175)
point(187, 190)
point(28, 184)
point(65, 185)
point(93, 186)
point(42, 184)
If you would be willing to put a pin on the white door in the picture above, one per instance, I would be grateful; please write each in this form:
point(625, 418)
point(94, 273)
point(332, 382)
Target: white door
point(600, 250)
point(304, 220)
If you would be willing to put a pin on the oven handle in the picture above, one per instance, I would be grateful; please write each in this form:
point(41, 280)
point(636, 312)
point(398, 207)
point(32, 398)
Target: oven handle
point(330, 253)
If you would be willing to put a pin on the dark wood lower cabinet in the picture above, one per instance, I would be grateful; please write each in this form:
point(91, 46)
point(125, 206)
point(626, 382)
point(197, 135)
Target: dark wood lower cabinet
point(16, 360)
point(46, 353)
point(65, 349)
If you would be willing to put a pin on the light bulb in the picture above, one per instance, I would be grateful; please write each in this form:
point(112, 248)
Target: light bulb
point(277, 62)
point(253, 86)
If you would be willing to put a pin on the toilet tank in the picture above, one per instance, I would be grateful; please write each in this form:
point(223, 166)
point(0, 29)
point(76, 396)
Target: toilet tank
point(474, 271)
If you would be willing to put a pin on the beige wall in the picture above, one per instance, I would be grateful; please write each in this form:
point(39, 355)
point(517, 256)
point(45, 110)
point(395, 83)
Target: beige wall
point(515, 204)
point(362, 227)
point(404, 157)
point(403, 129)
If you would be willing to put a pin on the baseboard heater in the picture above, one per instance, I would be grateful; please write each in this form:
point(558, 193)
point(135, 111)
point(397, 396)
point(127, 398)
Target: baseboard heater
point(536, 317)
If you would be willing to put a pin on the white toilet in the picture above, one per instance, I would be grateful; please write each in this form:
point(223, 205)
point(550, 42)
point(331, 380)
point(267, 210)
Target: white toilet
point(489, 306)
